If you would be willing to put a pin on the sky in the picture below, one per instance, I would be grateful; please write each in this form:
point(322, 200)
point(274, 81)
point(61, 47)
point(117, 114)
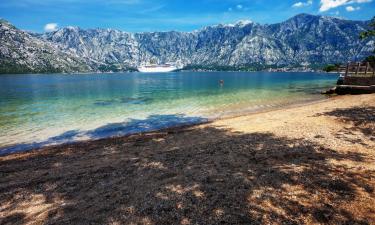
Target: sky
point(166, 15)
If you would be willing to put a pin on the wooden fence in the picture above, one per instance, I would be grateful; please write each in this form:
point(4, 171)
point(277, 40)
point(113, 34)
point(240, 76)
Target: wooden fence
point(357, 69)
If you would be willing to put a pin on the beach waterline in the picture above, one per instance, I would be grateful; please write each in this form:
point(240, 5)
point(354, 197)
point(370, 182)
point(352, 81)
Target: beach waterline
point(38, 110)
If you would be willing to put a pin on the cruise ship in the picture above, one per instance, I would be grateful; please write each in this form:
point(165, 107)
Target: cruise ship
point(154, 68)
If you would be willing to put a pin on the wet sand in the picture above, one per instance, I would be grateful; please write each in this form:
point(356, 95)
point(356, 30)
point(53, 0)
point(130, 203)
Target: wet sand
point(311, 164)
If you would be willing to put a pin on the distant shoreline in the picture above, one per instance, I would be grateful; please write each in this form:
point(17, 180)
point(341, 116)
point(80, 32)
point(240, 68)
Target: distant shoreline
point(179, 71)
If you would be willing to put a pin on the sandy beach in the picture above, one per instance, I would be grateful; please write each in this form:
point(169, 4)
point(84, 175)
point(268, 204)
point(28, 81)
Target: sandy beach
point(310, 164)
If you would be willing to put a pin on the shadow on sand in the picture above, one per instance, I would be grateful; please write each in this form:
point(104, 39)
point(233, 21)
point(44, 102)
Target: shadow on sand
point(132, 126)
point(362, 119)
point(189, 176)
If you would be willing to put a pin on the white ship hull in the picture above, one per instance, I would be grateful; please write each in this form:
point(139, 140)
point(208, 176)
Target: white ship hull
point(156, 69)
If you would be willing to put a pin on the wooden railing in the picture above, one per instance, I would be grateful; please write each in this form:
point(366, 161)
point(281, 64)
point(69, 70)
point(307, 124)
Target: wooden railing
point(357, 69)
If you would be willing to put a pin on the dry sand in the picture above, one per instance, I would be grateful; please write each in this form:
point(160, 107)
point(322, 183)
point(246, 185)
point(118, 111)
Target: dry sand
point(310, 164)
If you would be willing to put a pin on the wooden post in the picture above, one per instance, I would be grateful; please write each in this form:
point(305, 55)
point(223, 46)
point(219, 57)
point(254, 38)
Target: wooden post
point(367, 63)
point(347, 69)
point(358, 66)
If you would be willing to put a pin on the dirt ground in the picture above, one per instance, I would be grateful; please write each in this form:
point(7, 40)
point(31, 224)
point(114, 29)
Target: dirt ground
point(312, 164)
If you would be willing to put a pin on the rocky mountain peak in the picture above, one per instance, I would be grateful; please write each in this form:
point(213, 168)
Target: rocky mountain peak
point(303, 39)
point(242, 23)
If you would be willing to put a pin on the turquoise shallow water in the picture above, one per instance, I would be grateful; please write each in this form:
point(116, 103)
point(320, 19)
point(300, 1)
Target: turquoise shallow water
point(37, 110)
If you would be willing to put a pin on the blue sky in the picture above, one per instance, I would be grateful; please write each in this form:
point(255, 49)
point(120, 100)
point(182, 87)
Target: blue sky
point(163, 15)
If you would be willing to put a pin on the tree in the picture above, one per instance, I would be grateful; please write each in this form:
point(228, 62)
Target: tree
point(330, 67)
point(369, 34)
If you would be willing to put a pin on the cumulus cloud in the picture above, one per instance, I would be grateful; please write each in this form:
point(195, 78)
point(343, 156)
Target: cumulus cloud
point(238, 7)
point(351, 8)
point(49, 27)
point(302, 4)
point(326, 5)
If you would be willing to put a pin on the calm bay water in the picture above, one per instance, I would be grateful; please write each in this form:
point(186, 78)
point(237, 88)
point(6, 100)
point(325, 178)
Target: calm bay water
point(37, 110)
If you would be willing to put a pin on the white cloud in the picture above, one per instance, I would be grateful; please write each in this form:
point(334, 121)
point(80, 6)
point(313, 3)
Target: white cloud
point(238, 7)
point(351, 8)
point(302, 4)
point(326, 5)
point(297, 5)
point(49, 27)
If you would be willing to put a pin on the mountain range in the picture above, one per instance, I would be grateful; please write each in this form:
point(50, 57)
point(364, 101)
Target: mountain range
point(303, 40)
